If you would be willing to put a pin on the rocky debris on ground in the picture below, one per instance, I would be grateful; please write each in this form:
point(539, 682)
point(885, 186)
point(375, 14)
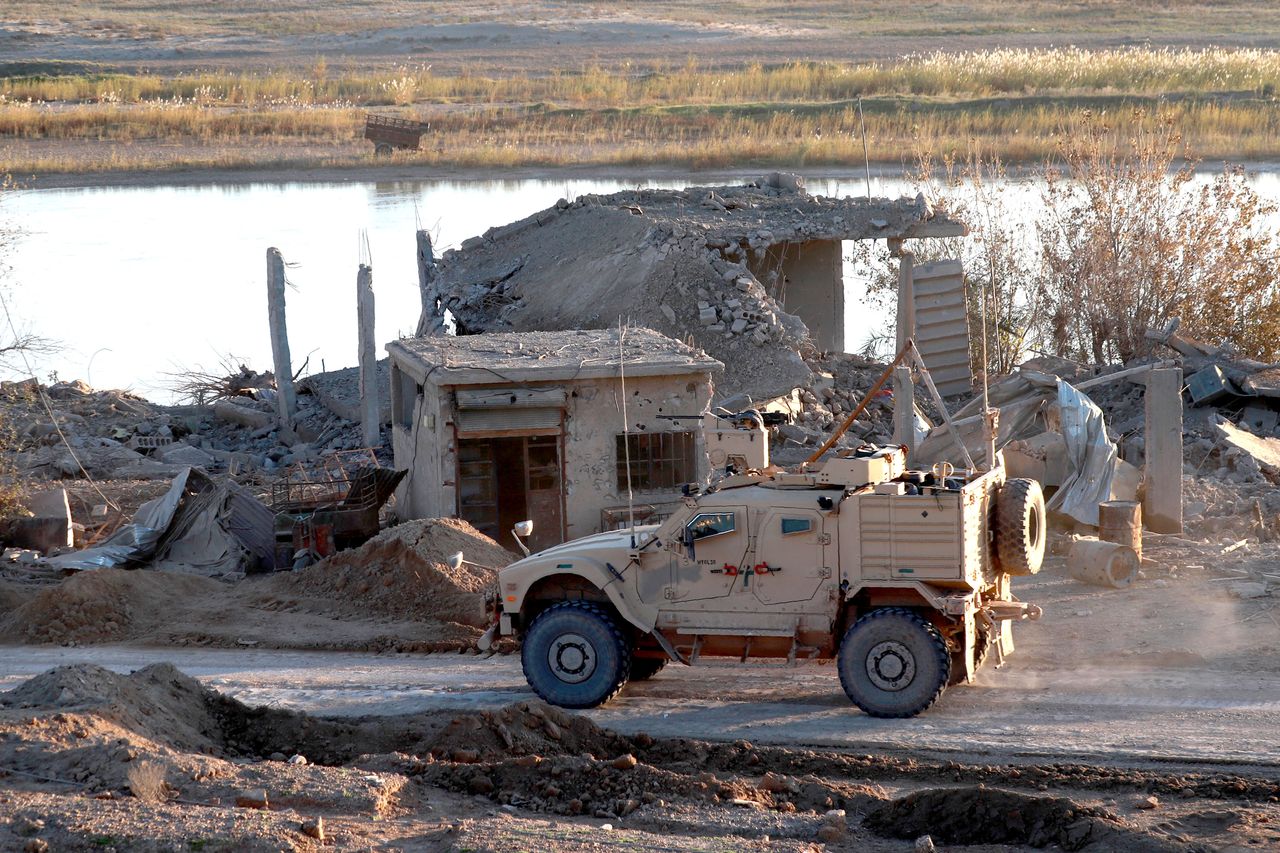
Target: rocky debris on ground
point(155, 754)
point(118, 435)
point(991, 816)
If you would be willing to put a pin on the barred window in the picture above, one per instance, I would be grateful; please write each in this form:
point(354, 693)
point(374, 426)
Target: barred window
point(659, 460)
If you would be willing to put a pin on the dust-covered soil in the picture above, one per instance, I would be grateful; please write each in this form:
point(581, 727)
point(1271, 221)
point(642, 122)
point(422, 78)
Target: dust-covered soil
point(395, 592)
point(91, 760)
point(532, 37)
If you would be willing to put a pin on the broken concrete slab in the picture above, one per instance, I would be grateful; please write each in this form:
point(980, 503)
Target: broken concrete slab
point(242, 415)
point(768, 250)
point(49, 527)
point(1266, 451)
point(185, 454)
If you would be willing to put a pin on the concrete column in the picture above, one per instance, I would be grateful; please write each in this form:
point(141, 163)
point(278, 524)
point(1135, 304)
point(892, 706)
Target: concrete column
point(904, 407)
point(286, 398)
point(903, 391)
point(1162, 502)
point(426, 274)
point(368, 357)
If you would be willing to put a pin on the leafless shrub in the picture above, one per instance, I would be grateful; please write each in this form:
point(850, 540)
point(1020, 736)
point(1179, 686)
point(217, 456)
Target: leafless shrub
point(146, 781)
point(231, 379)
point(1131, 239)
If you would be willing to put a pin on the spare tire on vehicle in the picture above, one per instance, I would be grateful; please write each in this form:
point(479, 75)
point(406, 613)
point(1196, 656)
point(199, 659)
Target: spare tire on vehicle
point(1021, 527)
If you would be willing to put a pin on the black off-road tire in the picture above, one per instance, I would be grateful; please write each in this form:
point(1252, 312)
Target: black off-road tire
point(1021, 527)
point(901, 650)
point(980, 648)
point(383, 149)
point(642, 669)
point(575, 656)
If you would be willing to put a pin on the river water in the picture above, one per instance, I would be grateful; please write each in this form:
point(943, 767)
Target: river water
point(138, 283)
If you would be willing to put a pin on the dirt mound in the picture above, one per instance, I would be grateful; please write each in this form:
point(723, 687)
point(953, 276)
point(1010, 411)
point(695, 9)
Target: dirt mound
point(102, 606)
point(13, 596)
point(990, 816)
point(403, 573)
point(526, 728)
point(158, 702)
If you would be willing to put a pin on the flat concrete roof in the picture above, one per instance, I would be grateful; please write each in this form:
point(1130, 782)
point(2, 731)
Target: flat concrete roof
point(496, 357)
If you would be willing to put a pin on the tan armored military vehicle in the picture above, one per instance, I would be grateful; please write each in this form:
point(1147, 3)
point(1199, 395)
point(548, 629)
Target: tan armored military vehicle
point(901, 576)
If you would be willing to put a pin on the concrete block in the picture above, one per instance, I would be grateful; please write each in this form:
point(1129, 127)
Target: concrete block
point(49, 528)
point(668, 312)
point(1261, 419)
point(185, 454)
point(739, 326)
point(708, 316)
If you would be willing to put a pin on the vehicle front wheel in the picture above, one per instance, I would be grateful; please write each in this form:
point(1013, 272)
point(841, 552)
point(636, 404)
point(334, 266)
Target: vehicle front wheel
point(575, 656)
point(893, 663)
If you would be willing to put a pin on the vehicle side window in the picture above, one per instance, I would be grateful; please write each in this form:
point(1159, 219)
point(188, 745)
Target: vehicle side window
point(796, 525)
point(708, 524)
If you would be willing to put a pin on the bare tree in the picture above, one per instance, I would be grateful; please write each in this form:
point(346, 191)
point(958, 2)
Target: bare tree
point(17, 341)
point(1131, 239)
point(999, 255)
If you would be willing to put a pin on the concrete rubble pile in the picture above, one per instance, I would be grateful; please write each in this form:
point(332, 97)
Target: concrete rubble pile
point(118, 435)
point(88, 441)
point(714, 266)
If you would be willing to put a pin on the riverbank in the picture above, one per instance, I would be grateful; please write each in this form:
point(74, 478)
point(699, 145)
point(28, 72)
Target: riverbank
point(1015, 105)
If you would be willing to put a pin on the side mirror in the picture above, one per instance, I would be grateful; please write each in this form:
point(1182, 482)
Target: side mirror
point(521, 530)
point(455, 561)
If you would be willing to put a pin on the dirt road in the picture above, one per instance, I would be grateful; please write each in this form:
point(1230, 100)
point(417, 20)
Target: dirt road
point(1125, 715)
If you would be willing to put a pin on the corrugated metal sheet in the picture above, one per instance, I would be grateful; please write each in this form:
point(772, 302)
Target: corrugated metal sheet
point(942, 327)
point(252, 523)
point(494, 398)
point(477, 423)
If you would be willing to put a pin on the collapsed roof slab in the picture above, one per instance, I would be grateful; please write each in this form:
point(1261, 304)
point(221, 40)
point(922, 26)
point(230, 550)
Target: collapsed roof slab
point(691, 263)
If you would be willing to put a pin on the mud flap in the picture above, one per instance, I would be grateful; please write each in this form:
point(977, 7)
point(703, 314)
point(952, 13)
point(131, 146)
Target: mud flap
point(970, 642)
point(485, 643)
point(1003, 641)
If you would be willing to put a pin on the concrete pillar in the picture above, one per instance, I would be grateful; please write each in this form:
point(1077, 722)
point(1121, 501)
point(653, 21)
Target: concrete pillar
point(286, 398)
point(904, 407)
point(426, 274)
point(368, 357)
point(1162, 502)
point(903, 391)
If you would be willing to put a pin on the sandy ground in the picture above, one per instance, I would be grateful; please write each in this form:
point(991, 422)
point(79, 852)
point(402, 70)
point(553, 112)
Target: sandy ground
point(504, 37)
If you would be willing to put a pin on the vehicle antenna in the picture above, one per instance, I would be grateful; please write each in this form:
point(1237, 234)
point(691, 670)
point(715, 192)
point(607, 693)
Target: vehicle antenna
point(866, 154)
point(990, 419)
point(626, 437)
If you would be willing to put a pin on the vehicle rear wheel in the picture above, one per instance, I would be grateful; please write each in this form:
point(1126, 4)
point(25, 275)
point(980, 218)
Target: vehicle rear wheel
point(893, 663)
point(575, 656)
point(1021, 527)
point(642, 669)
point(382, 149)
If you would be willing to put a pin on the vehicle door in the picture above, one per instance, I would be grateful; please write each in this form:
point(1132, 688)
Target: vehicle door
point(714, 547)
point(789, 568)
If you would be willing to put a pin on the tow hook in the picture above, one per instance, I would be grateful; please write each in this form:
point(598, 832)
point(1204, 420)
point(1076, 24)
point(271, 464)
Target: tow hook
point(1017, 611)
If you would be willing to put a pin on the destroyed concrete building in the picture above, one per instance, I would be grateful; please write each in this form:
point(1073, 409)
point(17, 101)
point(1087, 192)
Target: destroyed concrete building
point(502, 427)
point(752, 274)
